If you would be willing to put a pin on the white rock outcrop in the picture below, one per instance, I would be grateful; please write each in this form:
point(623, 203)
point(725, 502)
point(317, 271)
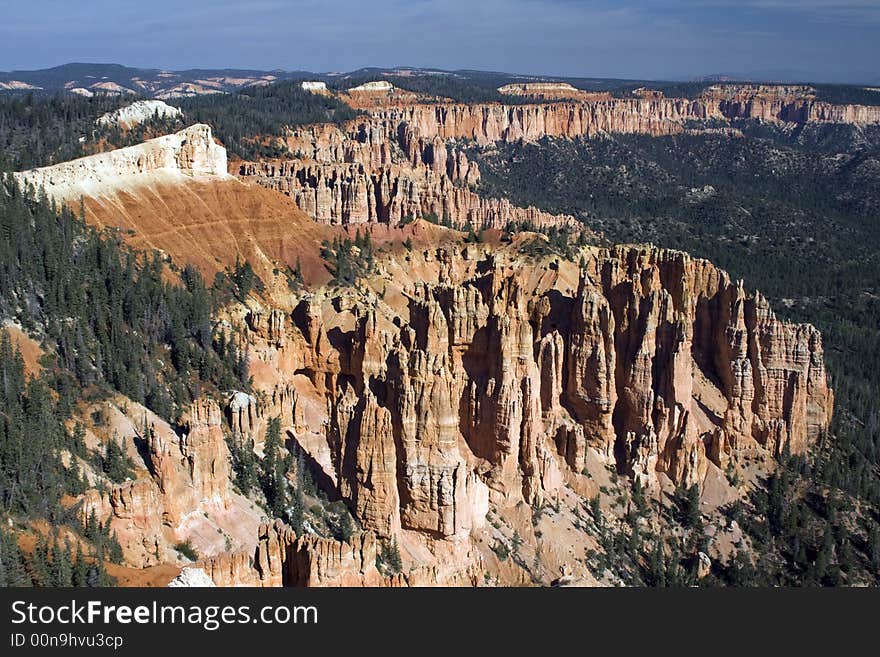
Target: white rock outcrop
point(16, 85)
point(192, 152)
point(314, 85)
point(537, 88)
point(379, 85)
point(137, 113)
point(192, 577)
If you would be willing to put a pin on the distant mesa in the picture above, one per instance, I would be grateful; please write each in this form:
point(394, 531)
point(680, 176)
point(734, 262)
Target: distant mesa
point(314, 85)
point(138, 112)
point(17, 85)
point(372, 87)
point(549, 91)
point(112, 88)
point(645, 92)
point(535, 88)
point(187, 90)
point(89, 89)
point(372, 96)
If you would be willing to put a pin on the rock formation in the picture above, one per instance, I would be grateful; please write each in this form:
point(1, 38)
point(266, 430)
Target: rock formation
point(379, 172)
point(354, 194)
point(184, 492)
point(138, 112)
point(314, 86)
point(192, 577)
point(407, 159)
point(372, 87)
point(488, 379)
point(189, 153)
point(786, 103)
point(550, 91)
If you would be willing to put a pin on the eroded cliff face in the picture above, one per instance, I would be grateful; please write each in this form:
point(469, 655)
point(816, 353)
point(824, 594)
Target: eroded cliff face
point(458, 388)
point(785, 103)
point(476, 379)
point(181, 490)
point(461, 387)
point(462, 379)
point(407, 160)
point(281, 558)
point(645, 114)
point(377, 171)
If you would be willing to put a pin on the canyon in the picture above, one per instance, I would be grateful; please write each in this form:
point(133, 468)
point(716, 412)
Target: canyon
point(462, 400)
point(408, 159)
point(464, 379)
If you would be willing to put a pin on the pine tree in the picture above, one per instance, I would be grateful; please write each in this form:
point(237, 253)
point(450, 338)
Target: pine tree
point(275, 467)
point(94, 576)
point(114, 549)
point(61, 564)
point(92, 529)
point(389, 555)
point(244, 464)
point(80, 567)
point(345, 527)
point(243, 277)
point(41, 572)
point(874, 548)
point(12, 567)
point(596, 511)
point(367, 252)
point(692, 507)
point(657, 565)
point(826, 555)
point(117, 464)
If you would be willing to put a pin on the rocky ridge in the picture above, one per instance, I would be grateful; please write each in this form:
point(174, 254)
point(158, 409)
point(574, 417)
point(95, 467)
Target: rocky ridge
point(379, 172)
point(190, 153)
point(407, 159)
point(465, 383)
point(138, 112)
point(181, 491)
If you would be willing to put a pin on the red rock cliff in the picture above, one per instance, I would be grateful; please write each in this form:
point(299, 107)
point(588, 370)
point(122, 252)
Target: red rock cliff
point(483, 377)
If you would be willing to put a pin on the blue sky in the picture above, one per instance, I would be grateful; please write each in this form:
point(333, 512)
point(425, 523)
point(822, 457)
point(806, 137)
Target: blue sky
point(834, 40)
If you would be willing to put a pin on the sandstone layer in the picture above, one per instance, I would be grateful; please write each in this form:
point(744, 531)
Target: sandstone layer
point(182, 486)
point(477, 379)
point(374, 171)
point(407, 159)
point(173, 194)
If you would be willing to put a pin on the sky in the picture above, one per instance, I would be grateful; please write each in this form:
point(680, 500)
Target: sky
point(815, 40)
